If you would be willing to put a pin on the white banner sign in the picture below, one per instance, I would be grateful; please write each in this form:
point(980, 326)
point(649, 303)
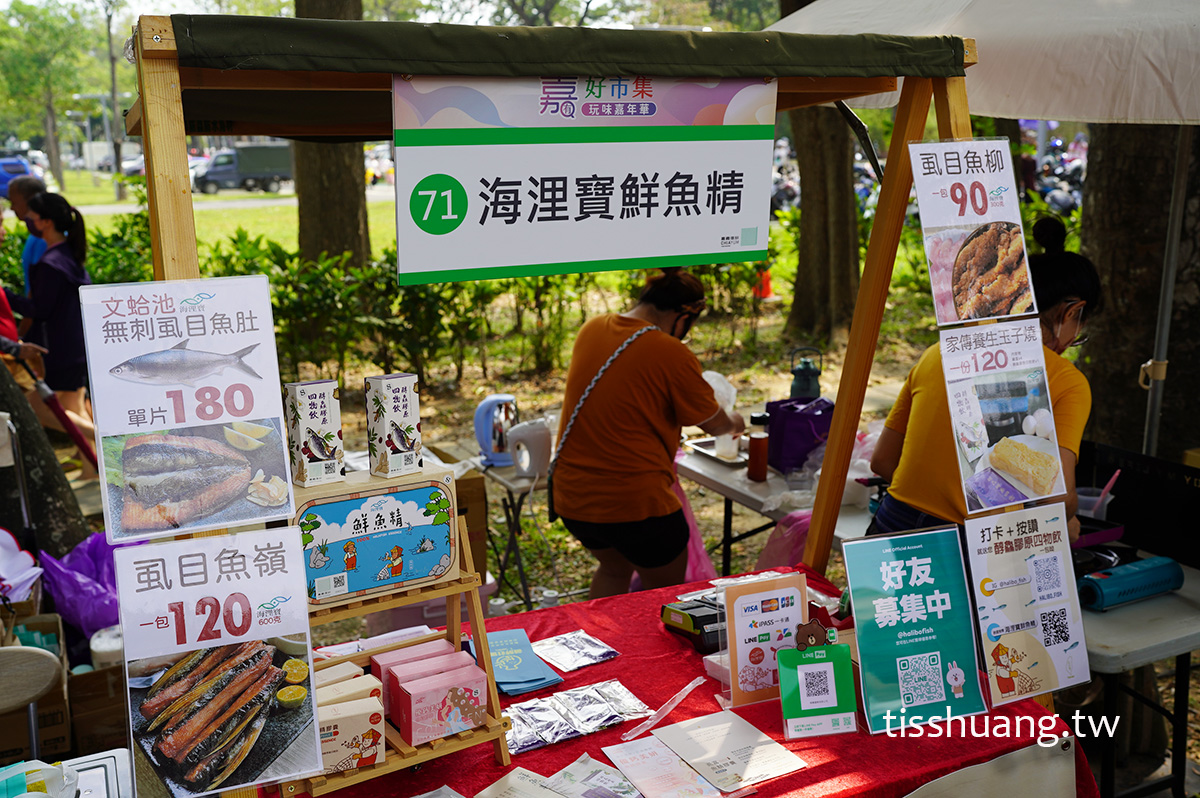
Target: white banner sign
point(511, 177)
point(185, 387)
point(218, 660)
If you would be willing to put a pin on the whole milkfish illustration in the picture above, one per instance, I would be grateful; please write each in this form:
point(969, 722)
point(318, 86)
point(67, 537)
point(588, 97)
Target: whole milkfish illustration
point(180, 365)
point(403, 441)
point(318, 446)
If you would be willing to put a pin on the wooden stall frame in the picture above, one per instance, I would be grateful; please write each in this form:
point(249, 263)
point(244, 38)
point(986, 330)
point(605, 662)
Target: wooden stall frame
point(157, 116)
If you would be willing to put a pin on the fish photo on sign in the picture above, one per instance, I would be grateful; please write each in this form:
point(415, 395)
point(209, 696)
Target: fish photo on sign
point(195, 478)
point(218, 717)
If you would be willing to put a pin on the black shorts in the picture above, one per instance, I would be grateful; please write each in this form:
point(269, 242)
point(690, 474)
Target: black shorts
point(67, 378)
point(649, 543)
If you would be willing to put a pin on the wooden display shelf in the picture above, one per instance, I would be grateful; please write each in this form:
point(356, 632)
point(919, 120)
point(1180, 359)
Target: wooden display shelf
point(397, 753)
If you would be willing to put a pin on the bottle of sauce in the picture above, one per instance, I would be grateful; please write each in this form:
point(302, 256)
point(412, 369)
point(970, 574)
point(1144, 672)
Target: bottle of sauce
point(756, 469)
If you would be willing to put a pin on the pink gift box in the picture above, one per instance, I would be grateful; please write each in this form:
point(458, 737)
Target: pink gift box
point(440, 705)
point(380, 662)
point(397, 675)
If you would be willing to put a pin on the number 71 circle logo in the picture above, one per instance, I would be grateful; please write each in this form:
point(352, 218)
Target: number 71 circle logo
point(438, 204)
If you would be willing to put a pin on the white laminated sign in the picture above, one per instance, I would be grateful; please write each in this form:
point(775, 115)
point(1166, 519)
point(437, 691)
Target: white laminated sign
point(188, 412)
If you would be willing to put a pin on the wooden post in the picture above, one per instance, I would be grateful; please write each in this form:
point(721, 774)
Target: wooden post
point(168, 183)
point(950, 104)
point(868, 313)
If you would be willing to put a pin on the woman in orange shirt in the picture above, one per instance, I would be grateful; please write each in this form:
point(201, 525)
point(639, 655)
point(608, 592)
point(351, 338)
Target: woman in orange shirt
point(614, 470)
point(926, 487)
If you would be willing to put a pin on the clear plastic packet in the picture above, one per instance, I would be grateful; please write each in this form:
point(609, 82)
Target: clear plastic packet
point(623, 701)
point(587, 709)
point(573, 650)
point(522, 736)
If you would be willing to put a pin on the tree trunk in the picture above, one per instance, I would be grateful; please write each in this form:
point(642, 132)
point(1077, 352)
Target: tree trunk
point(118, 128)
point(53, 509)
point(1124, 229)
point(51, 127)
point(1011, 130)
point(827, 251)
point(330, 178)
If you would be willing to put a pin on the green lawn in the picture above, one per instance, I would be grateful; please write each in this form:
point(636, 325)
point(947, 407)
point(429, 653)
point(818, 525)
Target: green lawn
point(95, 188)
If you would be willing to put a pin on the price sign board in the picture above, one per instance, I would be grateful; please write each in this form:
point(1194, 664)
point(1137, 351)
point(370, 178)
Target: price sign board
point(1001, 414)
point(971, 221)
point(762, 617)
point(1029, 616)
point(218, 660)
point(188, 412)
point(509, 177)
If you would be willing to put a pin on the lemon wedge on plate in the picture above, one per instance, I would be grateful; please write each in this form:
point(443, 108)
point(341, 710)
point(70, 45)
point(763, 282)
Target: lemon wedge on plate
point(295, 671)
point(241, 441)
point(255, 431)
point(291, 697)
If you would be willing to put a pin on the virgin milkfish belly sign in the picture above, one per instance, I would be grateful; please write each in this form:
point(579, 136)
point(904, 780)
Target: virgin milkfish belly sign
point(189, 417)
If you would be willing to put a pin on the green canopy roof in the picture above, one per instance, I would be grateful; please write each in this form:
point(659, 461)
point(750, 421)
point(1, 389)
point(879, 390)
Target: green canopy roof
point(277, 43)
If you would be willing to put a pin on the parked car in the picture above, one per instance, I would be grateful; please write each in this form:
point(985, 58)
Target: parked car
point(131, 167)
point(250, 166)
point(12, 166)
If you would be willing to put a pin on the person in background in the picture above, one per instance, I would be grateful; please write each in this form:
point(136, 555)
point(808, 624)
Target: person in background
point(612, 480)
point(20, 189)
point(916, 452)
point(53, 306)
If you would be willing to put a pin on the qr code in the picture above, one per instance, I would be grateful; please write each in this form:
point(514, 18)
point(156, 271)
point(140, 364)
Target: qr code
point(1047, 575)
point(1055, 629)
point(330, 467)
point(339, 581)
point(816, 684)
point(921, 679)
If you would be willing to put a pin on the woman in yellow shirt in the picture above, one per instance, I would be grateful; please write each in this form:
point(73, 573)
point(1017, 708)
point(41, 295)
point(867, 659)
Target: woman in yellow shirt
point(916, 451)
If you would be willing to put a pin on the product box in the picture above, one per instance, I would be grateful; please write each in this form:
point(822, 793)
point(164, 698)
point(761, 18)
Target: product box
point(334, 674)
point(53, 714)
point(443, 704)
point(381, 662)
point(351, 734)
point(372, 535)
point(314, 426)
point(396, 675)
point(393, 424)
point(99, 715)
point(350, 690)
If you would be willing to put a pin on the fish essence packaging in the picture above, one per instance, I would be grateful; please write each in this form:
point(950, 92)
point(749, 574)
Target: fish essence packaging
point(351, 734)
point(393, 424)
point(372, 535)
point(314, 427)
point(440, 705)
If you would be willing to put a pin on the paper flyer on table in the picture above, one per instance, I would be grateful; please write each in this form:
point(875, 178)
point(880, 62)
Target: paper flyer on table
point(1001, 414)
point(519, 783)
point(728, 751)
point(971, 222)
point(587, 778)
point(189, 413)
point(1029, 616)
point(657, 771)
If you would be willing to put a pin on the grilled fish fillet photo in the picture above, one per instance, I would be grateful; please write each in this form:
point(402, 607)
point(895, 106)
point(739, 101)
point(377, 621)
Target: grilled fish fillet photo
point(173, 480)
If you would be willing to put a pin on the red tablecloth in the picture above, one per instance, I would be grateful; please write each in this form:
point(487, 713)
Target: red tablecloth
point(655, 664)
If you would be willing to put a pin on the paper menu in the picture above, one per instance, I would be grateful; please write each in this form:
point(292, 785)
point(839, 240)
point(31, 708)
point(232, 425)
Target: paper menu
point(657, 771)
point(587, 778)
point(1028, 608)
point(728, 751)
point(518, 783)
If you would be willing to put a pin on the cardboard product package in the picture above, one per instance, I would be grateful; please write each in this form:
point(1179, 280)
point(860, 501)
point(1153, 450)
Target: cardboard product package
point(314, 431)
point(99, 714)
point(393, 424)
point(53, 711)
point(351, 734)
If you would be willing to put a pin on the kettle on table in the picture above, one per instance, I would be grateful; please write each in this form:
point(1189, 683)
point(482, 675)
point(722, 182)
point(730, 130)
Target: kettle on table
point(494, 417)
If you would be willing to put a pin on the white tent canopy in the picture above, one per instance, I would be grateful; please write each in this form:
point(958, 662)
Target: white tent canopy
point(1081, 60)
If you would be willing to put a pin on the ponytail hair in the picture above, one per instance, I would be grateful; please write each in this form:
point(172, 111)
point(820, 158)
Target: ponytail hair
point(1059, 275)
point(66, 218)
point(675, 290)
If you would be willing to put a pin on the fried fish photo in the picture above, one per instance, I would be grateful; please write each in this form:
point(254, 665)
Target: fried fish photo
point(990, 277)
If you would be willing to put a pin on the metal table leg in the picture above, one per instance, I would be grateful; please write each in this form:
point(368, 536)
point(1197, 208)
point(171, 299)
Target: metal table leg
point(727, 537)
point(512, 550)
point(1108, 746)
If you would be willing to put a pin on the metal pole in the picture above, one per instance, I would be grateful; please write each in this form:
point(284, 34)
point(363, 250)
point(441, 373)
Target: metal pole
point(1166, 294)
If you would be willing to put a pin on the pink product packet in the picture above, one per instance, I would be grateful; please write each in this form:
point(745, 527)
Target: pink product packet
point(440, 705)
point(381, 662)
point(419, 669)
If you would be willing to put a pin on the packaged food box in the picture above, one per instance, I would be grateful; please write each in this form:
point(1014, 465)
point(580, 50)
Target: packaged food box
point(373, 535)
point(350, 690)
point(314, 426)
point(442, 704)
point(381, 662)
point(334, 674)
point(395, 675)
point(393, 424)
point(351, 734)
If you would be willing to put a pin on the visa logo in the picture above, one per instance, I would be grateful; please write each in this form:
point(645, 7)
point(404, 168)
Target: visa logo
point(749, 608)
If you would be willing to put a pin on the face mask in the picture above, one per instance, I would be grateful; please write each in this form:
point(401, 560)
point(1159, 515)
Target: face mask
point(33, 231)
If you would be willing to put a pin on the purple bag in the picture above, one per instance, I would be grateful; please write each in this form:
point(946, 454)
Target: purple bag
point(795, 429)
point(84, 584)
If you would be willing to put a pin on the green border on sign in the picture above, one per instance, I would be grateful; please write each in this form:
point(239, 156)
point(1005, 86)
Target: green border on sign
point(573, 267)
point(580, 135)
